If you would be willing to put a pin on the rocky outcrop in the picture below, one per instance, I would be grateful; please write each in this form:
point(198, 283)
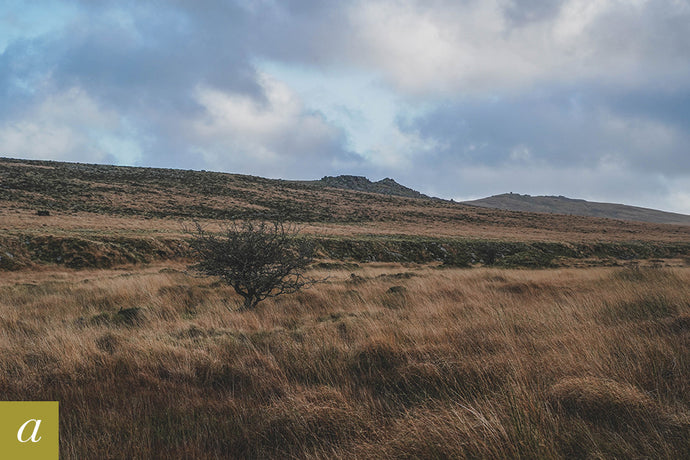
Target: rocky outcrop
point(385, 186)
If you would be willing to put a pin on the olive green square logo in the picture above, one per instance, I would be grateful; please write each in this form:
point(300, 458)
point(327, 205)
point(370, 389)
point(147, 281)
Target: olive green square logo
point(29, 430)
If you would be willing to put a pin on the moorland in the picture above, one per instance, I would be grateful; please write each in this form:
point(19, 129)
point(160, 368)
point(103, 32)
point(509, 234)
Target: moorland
point(442, 331)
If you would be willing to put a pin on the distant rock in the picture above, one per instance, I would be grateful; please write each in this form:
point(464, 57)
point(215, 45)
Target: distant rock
point(385, 186)
point(563, 205)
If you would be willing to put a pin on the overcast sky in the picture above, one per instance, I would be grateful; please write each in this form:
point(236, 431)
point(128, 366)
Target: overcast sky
point(458, 99)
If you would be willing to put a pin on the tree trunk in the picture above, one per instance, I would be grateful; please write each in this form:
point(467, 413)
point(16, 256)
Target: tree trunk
point(248, 303)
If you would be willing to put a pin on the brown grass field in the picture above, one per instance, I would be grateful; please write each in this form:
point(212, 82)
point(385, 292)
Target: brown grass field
point(587, 357)
point(381, 361)
point(91, 200)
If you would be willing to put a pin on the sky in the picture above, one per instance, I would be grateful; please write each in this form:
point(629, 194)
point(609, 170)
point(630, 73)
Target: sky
point(457, 99)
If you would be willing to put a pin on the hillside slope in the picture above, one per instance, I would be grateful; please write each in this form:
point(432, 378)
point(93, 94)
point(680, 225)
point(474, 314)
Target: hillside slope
point(84, 215)
point(140, 200)
point(563, 205)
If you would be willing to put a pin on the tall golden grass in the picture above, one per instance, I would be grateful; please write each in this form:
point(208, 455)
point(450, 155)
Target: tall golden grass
point(390, 361)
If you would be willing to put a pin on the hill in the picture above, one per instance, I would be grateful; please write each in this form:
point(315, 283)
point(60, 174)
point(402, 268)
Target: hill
point(86, 215)
point(563, 205)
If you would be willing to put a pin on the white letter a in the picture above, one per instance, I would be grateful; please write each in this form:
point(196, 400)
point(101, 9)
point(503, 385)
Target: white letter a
point(33, 435)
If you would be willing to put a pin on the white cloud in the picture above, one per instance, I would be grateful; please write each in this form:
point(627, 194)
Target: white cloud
point(69, 125)
point(678, 199)
point(678, 202)
point(399, 150)
point(435, 49)
point(575, 18)
point(520, 154)
point(31, 139)
point(449, 47)
point(237, 130)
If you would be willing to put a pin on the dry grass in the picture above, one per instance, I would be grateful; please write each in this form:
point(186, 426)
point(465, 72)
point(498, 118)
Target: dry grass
point(394, 362)
point(92, 199)
point(464, 222)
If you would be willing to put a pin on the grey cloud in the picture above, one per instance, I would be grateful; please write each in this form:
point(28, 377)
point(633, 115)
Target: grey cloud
point(616, 94)
point(523, 12)
point(563, 127)
point(593, 142)
point(471, 182)
point(656, 32)
point(146, 61)
point(157, 52)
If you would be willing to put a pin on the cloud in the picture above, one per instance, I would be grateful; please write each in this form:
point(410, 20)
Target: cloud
point(606, 182)
point(444, 95)
point(446, 47)
point(578, 182)
point(561, 126)
point(677, 200)
point(426, 49)
point(276, 136)
point(590, 142)
point(69, 125)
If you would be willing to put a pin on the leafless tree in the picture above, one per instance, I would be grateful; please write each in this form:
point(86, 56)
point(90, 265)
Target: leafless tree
point(258, 259)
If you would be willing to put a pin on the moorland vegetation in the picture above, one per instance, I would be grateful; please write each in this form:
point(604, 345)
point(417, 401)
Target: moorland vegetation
point(381, 361)
point(442, 331)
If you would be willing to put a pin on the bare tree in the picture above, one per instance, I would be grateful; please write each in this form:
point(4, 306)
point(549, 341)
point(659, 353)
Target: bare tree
point(258, 259)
